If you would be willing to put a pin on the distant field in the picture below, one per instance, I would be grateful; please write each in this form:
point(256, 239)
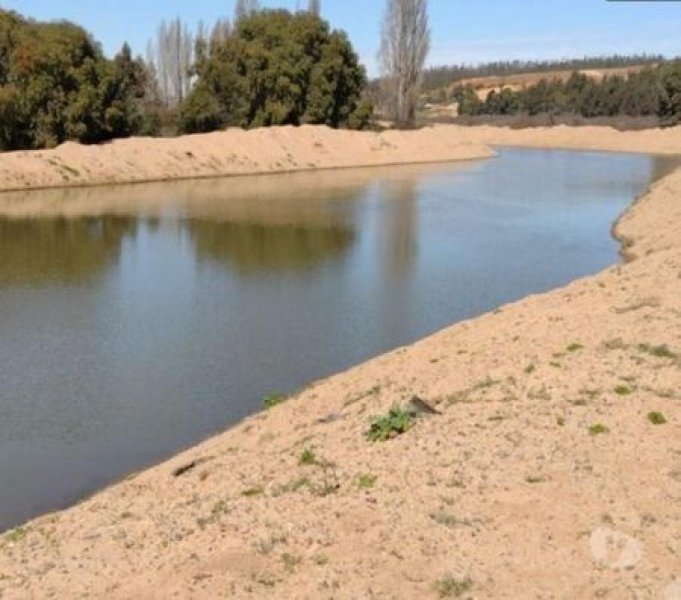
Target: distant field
point(484, 85)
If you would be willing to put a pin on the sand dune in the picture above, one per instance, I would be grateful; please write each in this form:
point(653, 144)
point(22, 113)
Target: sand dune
point(543, 476)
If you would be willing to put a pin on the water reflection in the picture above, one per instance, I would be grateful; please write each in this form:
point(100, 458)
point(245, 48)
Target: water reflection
point(60, 250)
point(254, 247)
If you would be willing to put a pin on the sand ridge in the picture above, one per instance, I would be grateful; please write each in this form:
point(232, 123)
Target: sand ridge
point(224, 153)
point(543, 476)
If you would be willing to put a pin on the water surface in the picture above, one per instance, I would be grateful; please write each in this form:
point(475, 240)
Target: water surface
point(138, 320)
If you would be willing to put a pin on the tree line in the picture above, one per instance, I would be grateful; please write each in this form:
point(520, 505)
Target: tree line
point(653, 91)
point(266, 67)
point(435, 78)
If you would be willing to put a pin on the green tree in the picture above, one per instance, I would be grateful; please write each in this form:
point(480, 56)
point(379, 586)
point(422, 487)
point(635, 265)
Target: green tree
point(277, 68)
point(56, 85)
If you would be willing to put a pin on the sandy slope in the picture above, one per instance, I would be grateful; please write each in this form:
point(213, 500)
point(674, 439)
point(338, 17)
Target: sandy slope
point(506, 492)
point(231, 152)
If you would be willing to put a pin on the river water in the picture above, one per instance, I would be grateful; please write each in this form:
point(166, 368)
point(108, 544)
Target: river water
point(137, 320)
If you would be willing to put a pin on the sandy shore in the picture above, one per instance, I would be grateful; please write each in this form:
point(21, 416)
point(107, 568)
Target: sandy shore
point(542, 476)
point(224, 153)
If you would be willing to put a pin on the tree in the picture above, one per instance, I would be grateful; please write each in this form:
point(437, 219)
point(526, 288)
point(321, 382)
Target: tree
point(174, 57)
point(315, 7)
point(245, 8)
point(670, 101)
point(56, 85)
point(405, 44)
point(278, 68)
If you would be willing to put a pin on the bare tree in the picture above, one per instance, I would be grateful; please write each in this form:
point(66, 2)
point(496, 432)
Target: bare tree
point(245, 8)
point(221, 31)
point(405, 44)
point(174, 55)
point(315, 7)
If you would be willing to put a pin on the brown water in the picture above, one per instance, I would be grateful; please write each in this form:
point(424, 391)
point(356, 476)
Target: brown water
point(138, 320)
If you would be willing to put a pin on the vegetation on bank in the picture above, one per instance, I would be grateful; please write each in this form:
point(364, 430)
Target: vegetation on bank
point(654, 91)
point(273, 67)
point(276, 68)
point(56, 85)
point(436, 78)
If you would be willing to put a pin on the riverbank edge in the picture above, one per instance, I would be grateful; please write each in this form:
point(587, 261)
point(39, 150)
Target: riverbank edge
point(226, 154)
point(622, 230)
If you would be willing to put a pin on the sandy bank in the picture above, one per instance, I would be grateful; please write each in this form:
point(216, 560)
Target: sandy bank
point(512, 490)
point(289, 149)
point(231, 152)
point(652, 141)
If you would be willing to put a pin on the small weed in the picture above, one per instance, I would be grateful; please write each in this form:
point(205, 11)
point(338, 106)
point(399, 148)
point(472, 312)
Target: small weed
point(657, 418)
point(442, 518)
point(534, 479)
point(598, 429)
point(560, 421)
point(572, 348)
point(290, 561)
point(366, 481)
point(71, 170)
point(252, 492)
point(555, 365)
point(662, 351)
point(307, 457)
point(623, 390)
point(273, 399)
point(451, 587)
point(529, 369)
point(396, 422)
point(486, 383)
point(320, 559)
point(16, 535)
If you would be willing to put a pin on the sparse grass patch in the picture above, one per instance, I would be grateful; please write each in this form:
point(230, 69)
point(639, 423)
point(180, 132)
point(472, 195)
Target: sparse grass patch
point(572, 348)
point(615, 344)
point(396, 422)
point(555, 365)
point(598, 429)
point(71, 170)
point(623, 390)
point(451, 587)
point(307, 457)
point(560, 421)
point(16, 535)
point(374, 391)
point(657, 418)
point(273, 399)
point(252, 492)
point(366, 481)
point(529, 369)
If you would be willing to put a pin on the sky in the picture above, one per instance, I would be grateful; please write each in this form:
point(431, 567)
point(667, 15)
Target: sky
point(463, 31)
